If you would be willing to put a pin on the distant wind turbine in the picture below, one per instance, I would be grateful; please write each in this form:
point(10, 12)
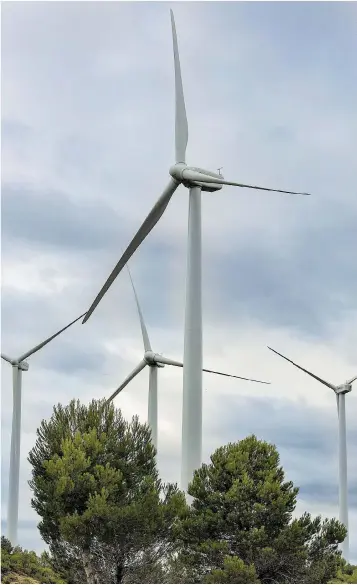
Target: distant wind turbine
point(155, 361)
point(340, 392)
point(196, 180)
point(19, 365)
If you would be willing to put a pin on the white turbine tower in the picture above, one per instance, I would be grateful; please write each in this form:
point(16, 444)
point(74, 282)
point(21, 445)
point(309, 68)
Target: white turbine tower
point(154, 361)
point(19, 365)
point(196, 180)
point(340, 392)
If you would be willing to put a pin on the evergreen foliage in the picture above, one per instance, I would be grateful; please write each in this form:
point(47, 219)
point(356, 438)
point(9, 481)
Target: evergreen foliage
point(97, 490)
point(23, 566)
point(242, 519)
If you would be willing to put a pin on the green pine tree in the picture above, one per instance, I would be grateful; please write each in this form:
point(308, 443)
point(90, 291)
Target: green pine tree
point(97, 490)
point(240, 527)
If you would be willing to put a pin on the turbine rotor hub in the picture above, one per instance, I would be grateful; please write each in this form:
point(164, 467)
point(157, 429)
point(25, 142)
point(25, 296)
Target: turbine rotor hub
point(150, 358)
point(177, 172)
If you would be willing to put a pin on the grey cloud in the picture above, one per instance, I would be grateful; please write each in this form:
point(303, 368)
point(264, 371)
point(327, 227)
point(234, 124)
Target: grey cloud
point(277, 416)
point(20, 308)
point(16, 134)
point(302, 282)
point(72, 359)
point(28, 318)
point(51, 218)
point(325, 493)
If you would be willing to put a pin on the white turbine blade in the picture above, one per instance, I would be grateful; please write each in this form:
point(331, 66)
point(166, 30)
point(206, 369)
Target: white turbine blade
point(233, 376)
point(334, 388)
point(144, 332)
point(41, 345)
point(146, 227)
point(164, 360)
point(128, 379)
point(7, 359)
point(351, 380)
point(181, 126)
point(203, 178)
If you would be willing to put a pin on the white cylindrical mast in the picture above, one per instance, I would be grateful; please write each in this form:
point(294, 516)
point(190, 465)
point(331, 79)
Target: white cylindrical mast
point(342, 463)
point(192, 361)
point(14, 474)
point(152, 406)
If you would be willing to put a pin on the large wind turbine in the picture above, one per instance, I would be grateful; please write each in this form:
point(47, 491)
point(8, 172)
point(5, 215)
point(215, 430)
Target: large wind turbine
point(155, 361)
point(340, 392)
point(19, 365)
point(196, 180)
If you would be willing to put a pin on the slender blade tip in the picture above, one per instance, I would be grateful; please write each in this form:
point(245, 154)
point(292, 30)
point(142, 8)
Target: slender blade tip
point(86, 317)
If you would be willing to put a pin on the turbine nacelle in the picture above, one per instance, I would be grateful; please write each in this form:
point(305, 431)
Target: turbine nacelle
point(151, 359)
point(343, 388)
point(24, 366)
point(180, 172)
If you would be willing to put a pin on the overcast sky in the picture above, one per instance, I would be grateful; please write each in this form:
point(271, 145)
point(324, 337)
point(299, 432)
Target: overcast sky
point(87, 141)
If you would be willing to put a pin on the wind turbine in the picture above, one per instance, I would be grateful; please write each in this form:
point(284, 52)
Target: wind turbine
point(155, 361)
point(196, 180)
point(19, 365)
point(340, 392)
